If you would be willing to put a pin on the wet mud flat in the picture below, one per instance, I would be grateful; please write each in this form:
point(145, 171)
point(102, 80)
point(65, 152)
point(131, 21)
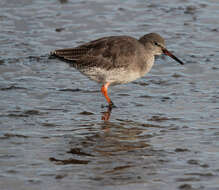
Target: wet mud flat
point(164, 133)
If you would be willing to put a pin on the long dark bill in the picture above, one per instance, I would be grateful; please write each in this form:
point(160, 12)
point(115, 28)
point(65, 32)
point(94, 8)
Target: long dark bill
point(166, 52)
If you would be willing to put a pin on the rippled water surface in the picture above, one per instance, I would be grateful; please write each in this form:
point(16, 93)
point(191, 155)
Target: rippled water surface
point(164, 133)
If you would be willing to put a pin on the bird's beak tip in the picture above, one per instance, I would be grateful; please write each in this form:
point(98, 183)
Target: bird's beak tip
point(166, 52)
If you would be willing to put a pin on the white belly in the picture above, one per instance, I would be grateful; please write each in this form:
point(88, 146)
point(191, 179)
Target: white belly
point(115, 76)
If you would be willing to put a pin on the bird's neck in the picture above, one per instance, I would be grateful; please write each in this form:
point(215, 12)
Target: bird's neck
point(149, 62)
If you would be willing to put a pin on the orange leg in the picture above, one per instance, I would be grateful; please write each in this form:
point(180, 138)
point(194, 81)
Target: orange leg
point(104, 92)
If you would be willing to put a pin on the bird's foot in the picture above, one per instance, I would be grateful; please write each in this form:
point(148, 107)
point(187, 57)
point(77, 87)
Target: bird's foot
point(112, 105)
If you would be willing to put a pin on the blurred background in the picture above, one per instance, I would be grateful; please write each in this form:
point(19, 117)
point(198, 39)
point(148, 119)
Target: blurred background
point(163, 135)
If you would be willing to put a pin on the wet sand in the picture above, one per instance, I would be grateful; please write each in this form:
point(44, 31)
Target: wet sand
point(164, 133)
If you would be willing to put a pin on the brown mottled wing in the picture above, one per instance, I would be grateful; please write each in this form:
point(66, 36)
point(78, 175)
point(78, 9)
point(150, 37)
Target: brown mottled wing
point(108, 52)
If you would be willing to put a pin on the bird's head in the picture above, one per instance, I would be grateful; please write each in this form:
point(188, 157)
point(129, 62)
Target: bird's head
point(155, 43)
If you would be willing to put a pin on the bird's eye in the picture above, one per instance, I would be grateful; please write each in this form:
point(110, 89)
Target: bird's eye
point(155, 43)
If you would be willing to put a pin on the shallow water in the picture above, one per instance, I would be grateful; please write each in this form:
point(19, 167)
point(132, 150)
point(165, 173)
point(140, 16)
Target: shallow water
point(164, 133)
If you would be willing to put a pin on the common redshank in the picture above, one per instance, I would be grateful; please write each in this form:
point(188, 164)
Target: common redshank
point(115, 59)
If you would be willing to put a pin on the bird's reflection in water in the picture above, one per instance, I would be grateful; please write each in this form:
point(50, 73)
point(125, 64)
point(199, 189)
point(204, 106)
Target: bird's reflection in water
point(106, 115)
point(116, 152)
